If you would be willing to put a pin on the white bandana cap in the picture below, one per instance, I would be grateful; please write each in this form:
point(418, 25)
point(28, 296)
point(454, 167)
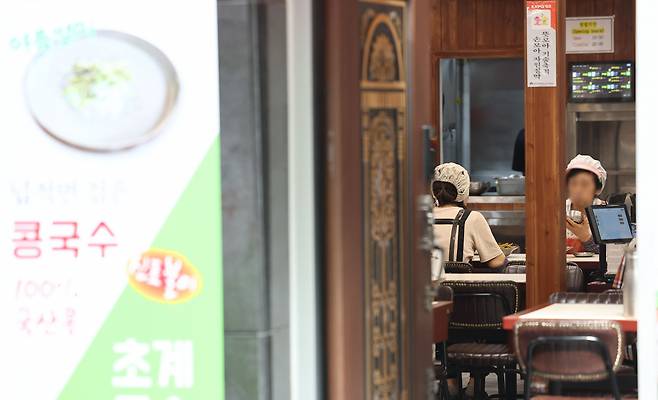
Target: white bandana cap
point(590, 164)
point(456, 175)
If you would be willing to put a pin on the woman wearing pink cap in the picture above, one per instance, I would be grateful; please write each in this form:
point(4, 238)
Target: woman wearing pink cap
point(585, 181)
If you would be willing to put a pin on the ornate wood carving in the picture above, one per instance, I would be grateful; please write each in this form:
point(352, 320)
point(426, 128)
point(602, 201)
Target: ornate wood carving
point(384, 117)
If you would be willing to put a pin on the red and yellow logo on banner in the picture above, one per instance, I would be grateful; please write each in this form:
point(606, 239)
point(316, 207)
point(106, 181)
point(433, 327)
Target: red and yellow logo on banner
point(164, 276)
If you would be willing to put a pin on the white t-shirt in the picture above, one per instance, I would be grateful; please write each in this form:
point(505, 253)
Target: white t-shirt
point(477, 235)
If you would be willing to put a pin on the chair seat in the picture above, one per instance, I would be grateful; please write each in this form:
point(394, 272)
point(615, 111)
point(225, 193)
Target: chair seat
point(480, 354)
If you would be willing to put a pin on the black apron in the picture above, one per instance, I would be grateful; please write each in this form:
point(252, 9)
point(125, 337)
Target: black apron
point(458, 222)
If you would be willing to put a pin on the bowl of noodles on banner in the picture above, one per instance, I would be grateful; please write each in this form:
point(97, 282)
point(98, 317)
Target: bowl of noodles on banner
point(164, 276)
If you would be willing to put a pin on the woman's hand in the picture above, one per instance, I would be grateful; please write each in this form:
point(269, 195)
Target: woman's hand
point(581, 230)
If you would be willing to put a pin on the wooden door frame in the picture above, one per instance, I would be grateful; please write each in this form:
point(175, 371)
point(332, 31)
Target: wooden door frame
point(421, 109)
point(342, 217)
point(340, 156)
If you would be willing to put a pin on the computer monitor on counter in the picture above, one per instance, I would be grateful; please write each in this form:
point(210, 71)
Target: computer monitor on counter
point(610, 224)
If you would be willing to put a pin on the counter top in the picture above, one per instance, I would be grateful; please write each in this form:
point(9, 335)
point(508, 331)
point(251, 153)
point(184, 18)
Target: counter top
point(570, 257)
point(585, 263)
point(613, 312)
point(495, 199)
point(493, 277)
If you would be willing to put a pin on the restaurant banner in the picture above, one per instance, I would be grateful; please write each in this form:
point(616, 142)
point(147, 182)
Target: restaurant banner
point(110, 199)
point(590, 34)
point(541, 33)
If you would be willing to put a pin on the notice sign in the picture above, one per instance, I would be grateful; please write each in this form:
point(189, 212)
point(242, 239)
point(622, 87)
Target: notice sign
point(590, 34)
point(110, 230)
point(541, 28)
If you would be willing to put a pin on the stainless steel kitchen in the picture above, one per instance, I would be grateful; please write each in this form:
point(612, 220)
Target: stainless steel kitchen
point(482, 119)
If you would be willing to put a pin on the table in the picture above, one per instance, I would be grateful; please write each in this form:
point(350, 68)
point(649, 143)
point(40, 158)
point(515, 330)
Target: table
point(587, 264)
point(442, 310)
point(614, 312)
point(491, 277)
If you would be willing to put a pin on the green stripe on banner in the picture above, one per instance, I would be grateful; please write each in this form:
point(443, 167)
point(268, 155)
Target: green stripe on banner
point(193, 229)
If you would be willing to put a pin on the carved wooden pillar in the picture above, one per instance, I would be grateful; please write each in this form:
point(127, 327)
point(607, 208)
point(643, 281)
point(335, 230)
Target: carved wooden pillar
point(384, 138)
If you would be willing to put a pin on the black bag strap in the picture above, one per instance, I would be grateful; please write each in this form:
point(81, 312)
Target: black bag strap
point(458, 222)
point(460, 241)
point(453, 234)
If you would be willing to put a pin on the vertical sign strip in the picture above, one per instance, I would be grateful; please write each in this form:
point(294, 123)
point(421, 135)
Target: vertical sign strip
point(541, 36)
point(169, 351)
point(111, 242)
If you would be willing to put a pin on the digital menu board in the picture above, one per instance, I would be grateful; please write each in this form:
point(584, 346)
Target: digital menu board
point(110, 230)
point(602, 82)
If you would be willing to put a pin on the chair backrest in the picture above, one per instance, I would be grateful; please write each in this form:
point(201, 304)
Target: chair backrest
point(586, 298)
point(457, 267)
point(569, 350)
point(574, 278)
point(482, 304)
point(619, 292)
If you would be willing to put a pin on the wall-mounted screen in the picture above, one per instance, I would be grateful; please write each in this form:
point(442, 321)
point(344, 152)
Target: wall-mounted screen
point(602, 82)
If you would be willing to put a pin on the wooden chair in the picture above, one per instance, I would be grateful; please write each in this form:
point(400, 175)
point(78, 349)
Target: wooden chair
point(476, 327)
point(569, 351)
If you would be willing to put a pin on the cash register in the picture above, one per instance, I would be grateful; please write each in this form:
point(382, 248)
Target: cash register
point(609, 224)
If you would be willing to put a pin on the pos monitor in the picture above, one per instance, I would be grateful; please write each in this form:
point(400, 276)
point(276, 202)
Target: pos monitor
point(610, 224)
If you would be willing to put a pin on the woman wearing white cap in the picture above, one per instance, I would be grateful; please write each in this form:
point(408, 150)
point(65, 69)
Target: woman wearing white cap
point(458, 231)
point(585, 181)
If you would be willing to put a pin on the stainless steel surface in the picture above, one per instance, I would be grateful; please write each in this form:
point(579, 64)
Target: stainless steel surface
point(510, 186)
point(477, 188)
point(603, 108)
point(452, 109)
point(480, 116)
point(495, 199)
point(605, 131)
point(504, 218)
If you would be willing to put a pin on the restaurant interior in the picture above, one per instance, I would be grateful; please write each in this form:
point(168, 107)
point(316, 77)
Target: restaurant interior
point(508, 104)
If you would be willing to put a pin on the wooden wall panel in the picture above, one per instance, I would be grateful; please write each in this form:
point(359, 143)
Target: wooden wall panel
point(486, 27)
point(470, 27)
point(624, 12)
point(544, 148)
